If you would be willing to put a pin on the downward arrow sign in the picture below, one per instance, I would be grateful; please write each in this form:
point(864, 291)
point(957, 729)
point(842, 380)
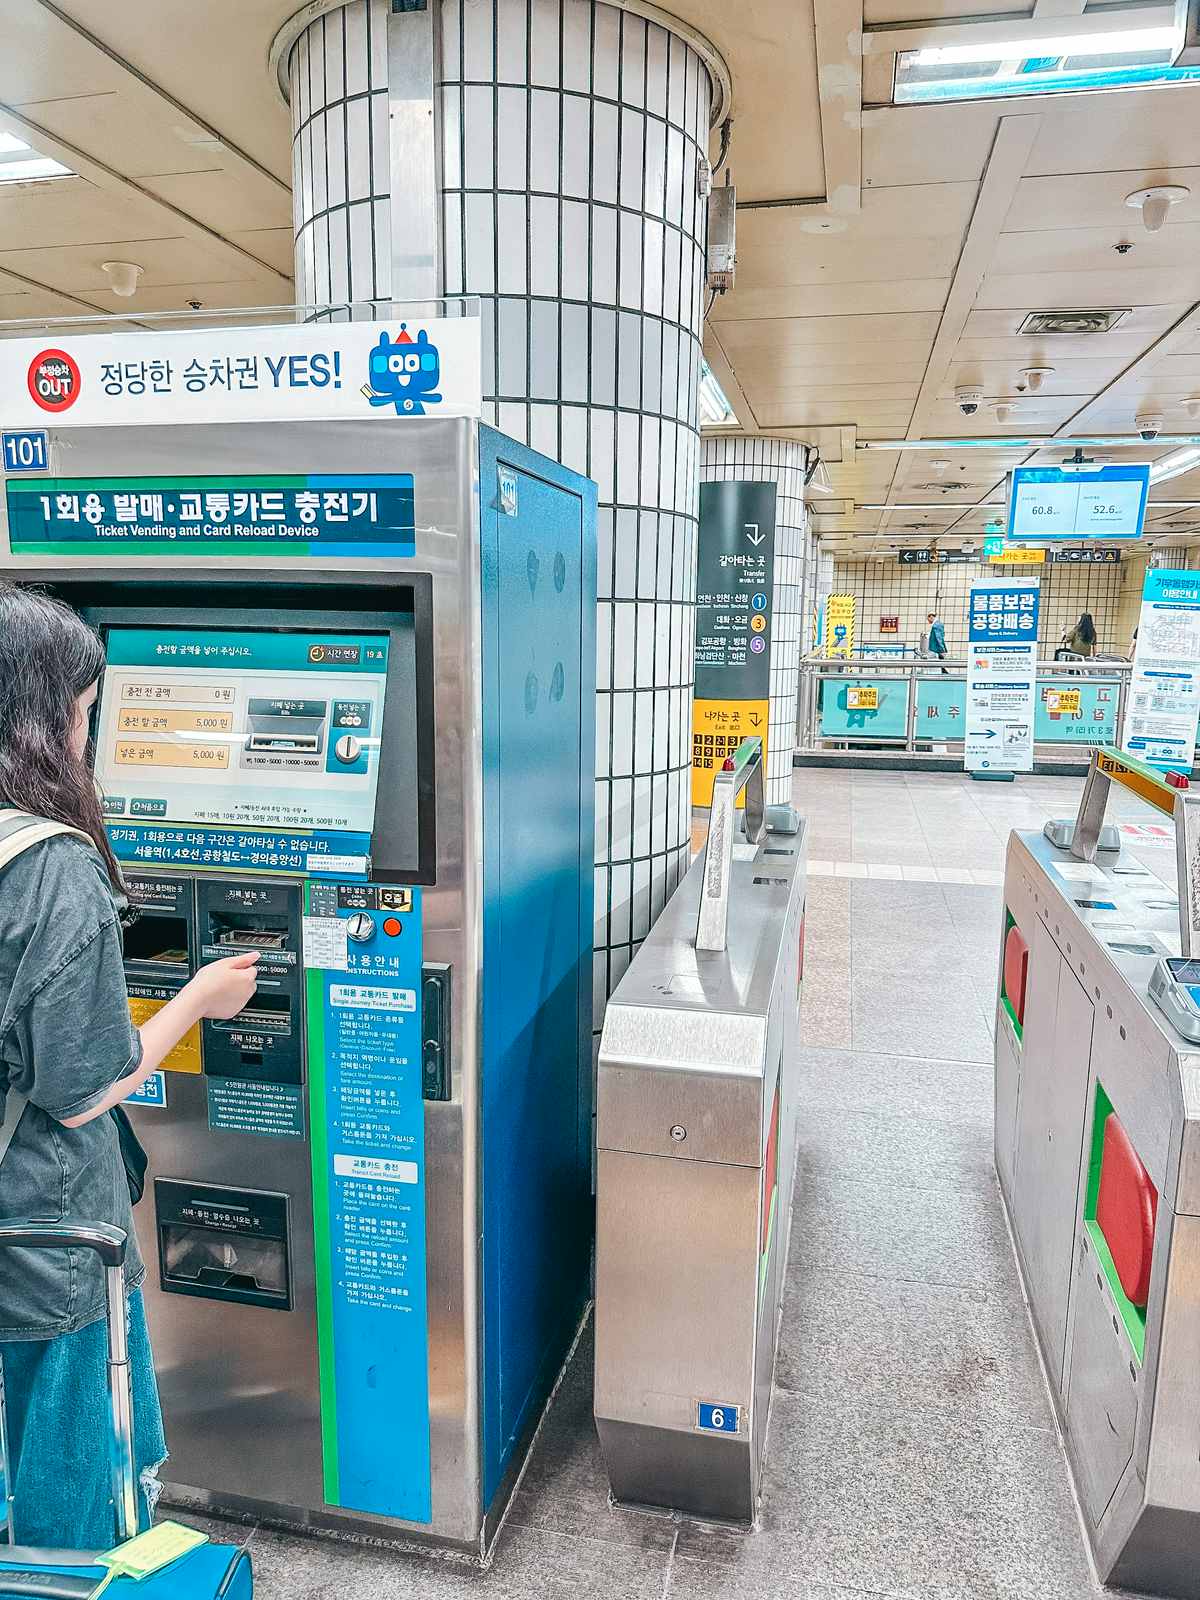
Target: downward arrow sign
point(755, 538)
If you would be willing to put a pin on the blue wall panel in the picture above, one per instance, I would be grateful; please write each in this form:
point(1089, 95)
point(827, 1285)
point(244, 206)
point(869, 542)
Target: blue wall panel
point(538, 575)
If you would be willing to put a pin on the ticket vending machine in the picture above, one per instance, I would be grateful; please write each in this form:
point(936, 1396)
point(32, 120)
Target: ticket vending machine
point(347, 721)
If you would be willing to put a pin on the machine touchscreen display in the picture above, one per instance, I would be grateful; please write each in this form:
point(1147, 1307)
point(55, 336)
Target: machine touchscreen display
point(224, 728)
point(1184, 971)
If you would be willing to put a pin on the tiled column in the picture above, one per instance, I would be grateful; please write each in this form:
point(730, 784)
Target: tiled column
point(781, 462)
point(572, 133)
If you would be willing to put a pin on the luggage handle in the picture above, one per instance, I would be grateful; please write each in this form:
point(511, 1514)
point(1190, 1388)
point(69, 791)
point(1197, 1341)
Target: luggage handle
point(109, 1243)
point(36, 1233)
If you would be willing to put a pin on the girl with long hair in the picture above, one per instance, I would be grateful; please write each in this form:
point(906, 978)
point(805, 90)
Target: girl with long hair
point(69, 1054)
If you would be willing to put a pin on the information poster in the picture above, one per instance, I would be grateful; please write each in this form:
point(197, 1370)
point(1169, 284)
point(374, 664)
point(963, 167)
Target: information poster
point(839, 627)
point(1002, 629)
point(1164, 693)
point(368, 1154)
point(734, 573)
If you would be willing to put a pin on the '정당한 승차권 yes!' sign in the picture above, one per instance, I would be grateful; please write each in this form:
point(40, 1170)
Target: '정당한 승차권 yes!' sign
point(393, 368)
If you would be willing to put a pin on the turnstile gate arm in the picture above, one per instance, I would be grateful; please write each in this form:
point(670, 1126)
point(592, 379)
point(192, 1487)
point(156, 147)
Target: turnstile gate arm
point(742, 771)
point(1180, 804)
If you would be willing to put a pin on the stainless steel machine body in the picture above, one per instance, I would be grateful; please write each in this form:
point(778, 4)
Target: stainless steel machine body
point(1097, 1144)
point(696, 1134)
point(484, 814)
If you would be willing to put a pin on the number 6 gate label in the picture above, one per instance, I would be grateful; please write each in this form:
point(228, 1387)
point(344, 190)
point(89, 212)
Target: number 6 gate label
point(713, 1417)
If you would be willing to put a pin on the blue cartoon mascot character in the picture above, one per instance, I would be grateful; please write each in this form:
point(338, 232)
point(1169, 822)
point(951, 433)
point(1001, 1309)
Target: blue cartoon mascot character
point(404, 374)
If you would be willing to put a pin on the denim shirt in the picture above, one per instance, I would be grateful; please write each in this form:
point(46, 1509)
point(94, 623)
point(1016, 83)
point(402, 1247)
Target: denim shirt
point(65, 1038)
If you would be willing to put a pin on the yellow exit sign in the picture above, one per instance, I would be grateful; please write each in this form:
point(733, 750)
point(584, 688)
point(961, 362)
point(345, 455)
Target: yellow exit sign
point(1017, 558)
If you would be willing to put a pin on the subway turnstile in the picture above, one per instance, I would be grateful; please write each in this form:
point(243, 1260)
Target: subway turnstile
point(347, 721)
point(696, 1131)
point(1098, 1156)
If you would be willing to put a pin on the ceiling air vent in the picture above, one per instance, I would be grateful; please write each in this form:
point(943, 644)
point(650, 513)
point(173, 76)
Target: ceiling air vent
point(1043, 322)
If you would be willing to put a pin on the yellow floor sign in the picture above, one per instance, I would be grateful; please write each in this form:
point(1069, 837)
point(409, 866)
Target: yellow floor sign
point(718, 727)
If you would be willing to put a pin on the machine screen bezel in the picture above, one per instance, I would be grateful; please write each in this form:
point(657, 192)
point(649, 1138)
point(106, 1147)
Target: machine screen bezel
point(321, 606)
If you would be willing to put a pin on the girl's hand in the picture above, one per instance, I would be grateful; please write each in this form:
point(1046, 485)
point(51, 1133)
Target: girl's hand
point(222, 989)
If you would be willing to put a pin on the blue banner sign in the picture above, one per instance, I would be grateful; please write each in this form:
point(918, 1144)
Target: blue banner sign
point(368, 1154)
point(314, 515)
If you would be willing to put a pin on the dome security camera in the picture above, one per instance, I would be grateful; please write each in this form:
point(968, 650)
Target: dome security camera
point(1034, 377)
point(1192, 406)
point(968, 397)
point(1149, 425)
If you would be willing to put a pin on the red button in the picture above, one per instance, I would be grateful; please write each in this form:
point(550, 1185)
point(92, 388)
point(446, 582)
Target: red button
point(391, 926)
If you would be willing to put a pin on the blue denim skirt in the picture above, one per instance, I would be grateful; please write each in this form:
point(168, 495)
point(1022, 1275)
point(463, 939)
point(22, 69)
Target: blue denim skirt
point(59, 1430)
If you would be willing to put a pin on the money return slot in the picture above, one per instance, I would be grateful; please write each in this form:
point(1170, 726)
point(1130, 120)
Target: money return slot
point(361, 744)
point(1098, 1155)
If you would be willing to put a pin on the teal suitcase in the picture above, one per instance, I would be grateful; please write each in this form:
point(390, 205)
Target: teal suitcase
point(210, 1571)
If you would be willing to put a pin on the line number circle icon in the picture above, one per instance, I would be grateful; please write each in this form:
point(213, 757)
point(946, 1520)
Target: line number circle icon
point(758, 623)
point(758, 644)
point(759, 602)
point(54, 380)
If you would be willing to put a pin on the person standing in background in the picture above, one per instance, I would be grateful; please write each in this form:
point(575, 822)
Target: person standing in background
point(1081, 639)
point(937, 637)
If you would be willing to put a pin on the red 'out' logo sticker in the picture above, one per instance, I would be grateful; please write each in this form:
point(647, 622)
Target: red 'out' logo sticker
point(54, 380)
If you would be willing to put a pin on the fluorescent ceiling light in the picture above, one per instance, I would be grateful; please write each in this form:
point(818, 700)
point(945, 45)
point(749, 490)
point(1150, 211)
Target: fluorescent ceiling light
point(20, 162)
point(1004, 444)
point(715, 410)
point(1078, 44)
point(1177, 462)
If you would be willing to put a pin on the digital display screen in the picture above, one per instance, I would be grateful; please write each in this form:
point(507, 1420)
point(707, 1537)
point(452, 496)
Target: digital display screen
point(1185, 971)
point(1050, 503)
point(242, 728)
point(1097, 905)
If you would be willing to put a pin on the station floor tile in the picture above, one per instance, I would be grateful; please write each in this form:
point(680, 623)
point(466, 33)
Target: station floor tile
point(912, 1451)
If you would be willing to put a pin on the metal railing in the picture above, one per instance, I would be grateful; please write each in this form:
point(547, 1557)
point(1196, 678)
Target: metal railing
point(916, 683)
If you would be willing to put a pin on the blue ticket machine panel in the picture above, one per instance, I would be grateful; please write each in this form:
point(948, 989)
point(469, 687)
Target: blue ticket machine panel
point(369, 760)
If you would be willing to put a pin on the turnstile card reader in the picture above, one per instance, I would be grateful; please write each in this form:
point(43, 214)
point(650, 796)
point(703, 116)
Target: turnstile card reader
point(1097, 1130)
point(369, 758)
point(696, 1129)
point(1175, 985)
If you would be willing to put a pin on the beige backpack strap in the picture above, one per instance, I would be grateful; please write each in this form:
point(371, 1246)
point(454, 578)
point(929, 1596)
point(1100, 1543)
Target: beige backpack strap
point(19, 832)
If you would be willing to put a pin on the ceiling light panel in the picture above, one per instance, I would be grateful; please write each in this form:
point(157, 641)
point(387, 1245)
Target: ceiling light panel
point(21, 163)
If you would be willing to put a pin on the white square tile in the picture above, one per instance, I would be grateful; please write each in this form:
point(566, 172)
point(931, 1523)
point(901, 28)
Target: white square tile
point(920, 874)
point(877, 870)
point(849, 869)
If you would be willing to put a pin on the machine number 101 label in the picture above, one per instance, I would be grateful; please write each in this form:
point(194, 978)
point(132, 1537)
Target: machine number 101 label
point(363, 973)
